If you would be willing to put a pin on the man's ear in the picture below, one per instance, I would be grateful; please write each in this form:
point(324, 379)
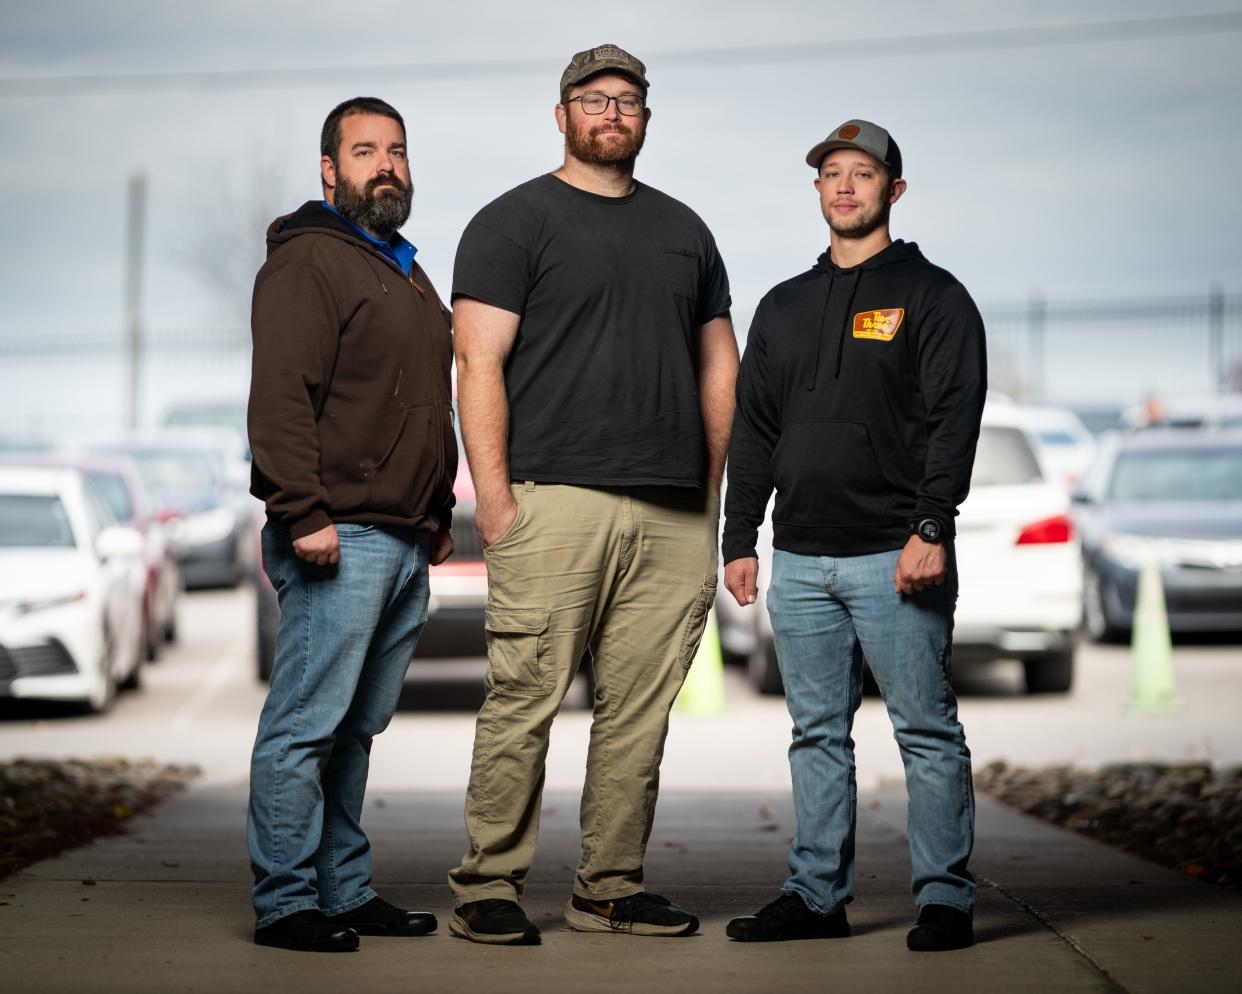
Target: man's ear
point(898, 188)
point(562, 117)
point(327, 172)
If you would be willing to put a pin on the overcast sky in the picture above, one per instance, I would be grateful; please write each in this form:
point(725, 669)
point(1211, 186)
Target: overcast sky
point(1093, 168)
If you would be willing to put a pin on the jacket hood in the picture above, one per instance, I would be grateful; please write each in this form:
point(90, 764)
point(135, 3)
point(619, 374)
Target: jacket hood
point(849, 279)
point(311, 218)
point(898, 251)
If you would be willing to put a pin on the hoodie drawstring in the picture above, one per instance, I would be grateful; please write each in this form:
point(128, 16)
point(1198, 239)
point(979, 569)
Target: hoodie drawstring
point(854, 279)
point(845, 321)
point(819, 341)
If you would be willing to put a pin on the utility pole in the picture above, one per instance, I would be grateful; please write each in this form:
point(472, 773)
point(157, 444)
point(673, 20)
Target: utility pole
point(1217, 374)
point(135, 224)
point(1037, 313)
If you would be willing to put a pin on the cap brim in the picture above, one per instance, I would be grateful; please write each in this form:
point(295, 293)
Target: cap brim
point(816, 155)
point(602, 67)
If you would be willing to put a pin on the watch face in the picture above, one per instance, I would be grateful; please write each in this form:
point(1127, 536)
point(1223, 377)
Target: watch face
point(929, 530)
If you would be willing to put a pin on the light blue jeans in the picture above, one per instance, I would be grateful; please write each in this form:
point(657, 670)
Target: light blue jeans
point(345, 639)
point(827, 614)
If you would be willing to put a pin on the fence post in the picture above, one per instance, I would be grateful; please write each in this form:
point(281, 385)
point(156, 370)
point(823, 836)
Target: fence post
point(1036, 326)
point(1216, 338)
point(134, 228)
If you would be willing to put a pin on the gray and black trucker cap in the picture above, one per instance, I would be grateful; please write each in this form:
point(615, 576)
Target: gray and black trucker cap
point(864, 135)
point(603, 58)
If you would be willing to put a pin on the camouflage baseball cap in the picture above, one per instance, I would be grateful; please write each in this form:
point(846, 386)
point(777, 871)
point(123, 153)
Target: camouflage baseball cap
point(603, 58)
point(864, 135)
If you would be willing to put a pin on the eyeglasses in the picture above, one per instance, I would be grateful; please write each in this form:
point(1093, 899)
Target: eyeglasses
point(629, 104)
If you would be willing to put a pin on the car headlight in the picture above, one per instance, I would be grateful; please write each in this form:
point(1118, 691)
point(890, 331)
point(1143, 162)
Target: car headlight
point(32, 605)
point(1134, 551)
point(204, 528)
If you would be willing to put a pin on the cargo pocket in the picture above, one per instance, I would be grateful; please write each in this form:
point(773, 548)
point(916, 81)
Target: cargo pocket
point(696, 622)
point(518, 661)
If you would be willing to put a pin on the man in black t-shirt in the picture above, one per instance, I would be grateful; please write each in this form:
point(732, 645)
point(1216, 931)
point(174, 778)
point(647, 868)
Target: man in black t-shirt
point(596, 364)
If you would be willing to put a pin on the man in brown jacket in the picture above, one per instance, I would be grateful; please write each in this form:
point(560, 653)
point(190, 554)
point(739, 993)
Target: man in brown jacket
point(354, 455)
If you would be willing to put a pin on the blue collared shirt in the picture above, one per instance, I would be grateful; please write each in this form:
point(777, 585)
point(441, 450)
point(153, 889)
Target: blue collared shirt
point(400, 251)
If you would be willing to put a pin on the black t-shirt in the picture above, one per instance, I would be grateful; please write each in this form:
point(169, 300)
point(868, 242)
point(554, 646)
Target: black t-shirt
point(611, 291)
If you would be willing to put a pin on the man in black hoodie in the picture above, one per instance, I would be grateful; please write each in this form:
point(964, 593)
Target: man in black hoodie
point(859, 401)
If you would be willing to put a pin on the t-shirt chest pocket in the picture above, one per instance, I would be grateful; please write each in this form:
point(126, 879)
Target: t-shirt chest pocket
point(681, 268)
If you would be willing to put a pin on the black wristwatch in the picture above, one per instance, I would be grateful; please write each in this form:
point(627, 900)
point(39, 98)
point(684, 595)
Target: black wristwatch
point(928, 529)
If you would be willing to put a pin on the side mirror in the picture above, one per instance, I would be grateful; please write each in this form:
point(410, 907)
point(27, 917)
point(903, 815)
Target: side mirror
point(115, 541)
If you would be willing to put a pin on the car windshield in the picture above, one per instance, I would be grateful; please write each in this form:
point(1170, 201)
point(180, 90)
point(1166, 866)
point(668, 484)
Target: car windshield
point(1178, 475)
point(1054, 436)
point(1004, 458)
point(175, 471)
point(34, 521)
point(113, 492)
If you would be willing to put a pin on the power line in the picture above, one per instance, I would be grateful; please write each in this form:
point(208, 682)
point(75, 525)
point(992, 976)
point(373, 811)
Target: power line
point(906, 46)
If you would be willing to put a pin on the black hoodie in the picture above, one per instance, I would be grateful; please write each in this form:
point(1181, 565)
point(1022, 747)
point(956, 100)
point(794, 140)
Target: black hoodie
point(350, 402)
point(859, 400)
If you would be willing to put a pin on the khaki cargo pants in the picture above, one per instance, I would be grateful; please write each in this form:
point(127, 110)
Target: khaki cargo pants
point(630, 574)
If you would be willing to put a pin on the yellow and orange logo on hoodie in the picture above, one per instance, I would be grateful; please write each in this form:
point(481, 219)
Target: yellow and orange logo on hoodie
point(880, 325)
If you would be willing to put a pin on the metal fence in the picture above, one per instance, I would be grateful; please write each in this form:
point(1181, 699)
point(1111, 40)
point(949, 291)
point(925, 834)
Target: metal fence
point(1108, 352)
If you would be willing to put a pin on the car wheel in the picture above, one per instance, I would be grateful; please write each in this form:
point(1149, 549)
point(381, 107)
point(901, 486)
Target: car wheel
point(104, 693)
point(170, 627)
point(1049, 674)
point(1094, 613)
point(765, 674)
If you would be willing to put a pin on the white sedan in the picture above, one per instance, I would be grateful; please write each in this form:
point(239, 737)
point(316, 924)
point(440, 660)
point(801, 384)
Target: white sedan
point(71, 589)
point(1019, 568)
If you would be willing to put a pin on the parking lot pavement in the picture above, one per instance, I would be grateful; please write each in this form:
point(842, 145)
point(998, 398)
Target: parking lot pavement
point(166, 909)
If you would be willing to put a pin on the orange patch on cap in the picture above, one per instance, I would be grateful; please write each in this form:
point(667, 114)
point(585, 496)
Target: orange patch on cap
point(849, 132)
point(879, 325)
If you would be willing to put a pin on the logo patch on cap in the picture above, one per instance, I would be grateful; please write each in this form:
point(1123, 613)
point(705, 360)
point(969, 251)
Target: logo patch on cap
point(849, 132)
point(879, 325)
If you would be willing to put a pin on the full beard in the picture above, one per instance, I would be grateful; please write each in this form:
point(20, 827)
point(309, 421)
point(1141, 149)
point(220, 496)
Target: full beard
point(382, 213)
point(586, 144)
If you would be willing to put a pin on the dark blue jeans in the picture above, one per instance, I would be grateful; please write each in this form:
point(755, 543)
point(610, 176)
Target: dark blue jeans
point(827, 613)
point(346, 636)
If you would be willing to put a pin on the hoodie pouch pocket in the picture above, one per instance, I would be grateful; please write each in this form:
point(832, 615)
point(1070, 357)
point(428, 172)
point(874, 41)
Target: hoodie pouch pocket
point(412, 476)
point(827, 474)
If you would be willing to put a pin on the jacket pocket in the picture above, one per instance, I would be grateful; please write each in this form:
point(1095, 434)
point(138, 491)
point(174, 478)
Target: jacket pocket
point(414, 474)
point(519, 660)
point(827, 474)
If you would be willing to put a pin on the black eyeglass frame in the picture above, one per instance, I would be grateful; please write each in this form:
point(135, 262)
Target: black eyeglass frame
point(642, 103)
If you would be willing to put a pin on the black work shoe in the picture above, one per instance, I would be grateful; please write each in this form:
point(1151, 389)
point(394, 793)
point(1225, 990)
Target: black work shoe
point(939, 928)
point(788, 917)
point(638, 914)
point(494, 921)
point(378, 917)
point(308, 931)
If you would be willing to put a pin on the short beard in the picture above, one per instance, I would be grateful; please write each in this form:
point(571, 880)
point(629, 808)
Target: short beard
point(583, 144)
point(382, 214)
point(860, 227)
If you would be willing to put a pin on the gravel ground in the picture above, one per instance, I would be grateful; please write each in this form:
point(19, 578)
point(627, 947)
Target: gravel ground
point(1188, 817)
point(47, 807)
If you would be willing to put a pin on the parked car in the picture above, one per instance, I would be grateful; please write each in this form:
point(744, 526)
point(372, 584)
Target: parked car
point(1172, 497)
point(1205, 412)
point(71, 589)
point(1067, 446)
point(115, 480)
point(230, 414)
point(1018, 562)
point(195, 483)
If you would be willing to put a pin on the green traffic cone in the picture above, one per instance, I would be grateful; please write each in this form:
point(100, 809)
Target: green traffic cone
point(1152, 687)
point(703, 690)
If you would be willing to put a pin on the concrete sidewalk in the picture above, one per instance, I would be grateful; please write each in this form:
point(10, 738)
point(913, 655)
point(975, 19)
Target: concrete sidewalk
point(166, 909)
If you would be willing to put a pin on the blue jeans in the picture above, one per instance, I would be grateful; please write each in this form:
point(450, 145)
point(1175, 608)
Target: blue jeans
point(827, 614)
point(346, 636)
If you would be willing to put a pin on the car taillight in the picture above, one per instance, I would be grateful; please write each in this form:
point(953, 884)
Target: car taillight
point(1047, 531)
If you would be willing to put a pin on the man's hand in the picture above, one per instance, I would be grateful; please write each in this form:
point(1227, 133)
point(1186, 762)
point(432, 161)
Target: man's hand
point(920, 565)
point(440, 547)
point(494, 518)
point(322, 548)
point(742, 580)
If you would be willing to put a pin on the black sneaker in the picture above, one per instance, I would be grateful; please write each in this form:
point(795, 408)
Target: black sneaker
point(378, 917)
point(307, 931)
point(494, 921)
point(638, 914)
point(788, 917)
point(940, 928)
